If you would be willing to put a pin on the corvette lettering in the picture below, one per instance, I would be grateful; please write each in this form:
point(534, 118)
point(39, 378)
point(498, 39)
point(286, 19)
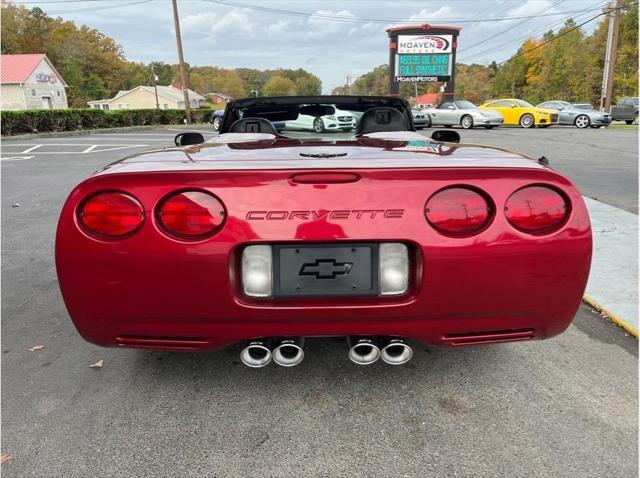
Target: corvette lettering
point(323, 214)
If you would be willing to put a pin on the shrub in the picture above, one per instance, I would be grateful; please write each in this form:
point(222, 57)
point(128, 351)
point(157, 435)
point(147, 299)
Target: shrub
point(40, 121)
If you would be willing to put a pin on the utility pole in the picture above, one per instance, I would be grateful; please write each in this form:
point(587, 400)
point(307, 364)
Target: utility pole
point(348, 85)
point(155, 85)
point(611, 54)
point(183, 73)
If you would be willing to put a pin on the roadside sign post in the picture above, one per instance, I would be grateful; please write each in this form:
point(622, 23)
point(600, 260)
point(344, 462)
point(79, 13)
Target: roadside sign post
point(422, 53)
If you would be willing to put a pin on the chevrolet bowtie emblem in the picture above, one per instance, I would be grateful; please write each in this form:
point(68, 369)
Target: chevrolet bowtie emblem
point(325, 268)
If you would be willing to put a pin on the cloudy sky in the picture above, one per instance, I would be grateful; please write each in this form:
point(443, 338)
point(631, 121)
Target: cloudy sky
point(331, 38)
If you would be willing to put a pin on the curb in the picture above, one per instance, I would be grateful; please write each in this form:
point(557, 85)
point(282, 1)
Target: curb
point(616, 319)
point(82, 132)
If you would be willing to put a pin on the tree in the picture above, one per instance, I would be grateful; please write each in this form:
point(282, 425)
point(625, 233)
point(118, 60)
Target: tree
point(279, 86)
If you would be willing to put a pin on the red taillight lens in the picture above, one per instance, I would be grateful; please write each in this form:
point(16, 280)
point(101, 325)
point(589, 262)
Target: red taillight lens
point(191, 214)
point(111, 214)
point(536, 209)
point(458, 211)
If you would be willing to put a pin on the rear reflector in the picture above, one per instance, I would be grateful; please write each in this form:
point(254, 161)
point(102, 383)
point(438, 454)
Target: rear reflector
point(458, 211)
point(536, 209)
point(191, 214)
point(162, 343)
point(491, 337)
point(111, 214)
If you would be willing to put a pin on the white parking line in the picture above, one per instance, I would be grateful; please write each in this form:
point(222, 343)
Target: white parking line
point(90, 148)
point(32, 148)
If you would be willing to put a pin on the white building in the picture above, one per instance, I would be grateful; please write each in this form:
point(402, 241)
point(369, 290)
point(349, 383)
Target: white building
point(30, 82)
point(144, 97)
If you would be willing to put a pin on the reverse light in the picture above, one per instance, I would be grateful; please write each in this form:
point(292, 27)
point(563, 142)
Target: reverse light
point(394, 268)
point(458, 211)
point(111, 214)
point(536, 209)
point(191, 214)
point(257, 279)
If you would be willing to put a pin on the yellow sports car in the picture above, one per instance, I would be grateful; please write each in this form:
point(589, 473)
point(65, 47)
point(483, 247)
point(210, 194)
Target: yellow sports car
point(519, 112)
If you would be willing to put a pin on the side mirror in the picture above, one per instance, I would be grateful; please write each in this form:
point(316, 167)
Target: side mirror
point(512, 105)
point(446, 136)
point(560, 108)
point(451, 107)
point(186, 139)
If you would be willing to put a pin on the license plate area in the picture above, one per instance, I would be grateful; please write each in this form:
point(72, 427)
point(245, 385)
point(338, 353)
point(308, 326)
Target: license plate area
point(325, 270)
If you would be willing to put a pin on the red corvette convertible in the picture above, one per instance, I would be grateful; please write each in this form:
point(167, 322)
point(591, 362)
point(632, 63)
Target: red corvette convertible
point(382, 237)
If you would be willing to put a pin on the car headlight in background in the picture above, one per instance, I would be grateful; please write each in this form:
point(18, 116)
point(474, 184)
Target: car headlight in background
point(257, 279)
point(394, 268)
point(332, 118)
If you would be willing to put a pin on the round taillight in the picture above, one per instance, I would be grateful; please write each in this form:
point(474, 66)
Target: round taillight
point(191, 214)
point(536, 209)
point(111, 214)
point(458, 211)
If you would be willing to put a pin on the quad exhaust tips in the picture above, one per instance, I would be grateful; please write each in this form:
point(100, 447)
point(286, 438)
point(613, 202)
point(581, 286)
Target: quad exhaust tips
point(363, 350)
point(257, 353)
point(395, 351)
point(289, 352)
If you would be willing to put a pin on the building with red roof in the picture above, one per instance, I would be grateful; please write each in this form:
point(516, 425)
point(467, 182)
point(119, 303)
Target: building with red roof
point(31, 82)
point(425, 101)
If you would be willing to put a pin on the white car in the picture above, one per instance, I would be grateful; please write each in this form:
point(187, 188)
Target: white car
point(339, 120)
point(465, 114)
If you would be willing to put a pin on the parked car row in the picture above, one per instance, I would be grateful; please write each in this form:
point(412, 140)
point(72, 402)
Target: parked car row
point(463, 113)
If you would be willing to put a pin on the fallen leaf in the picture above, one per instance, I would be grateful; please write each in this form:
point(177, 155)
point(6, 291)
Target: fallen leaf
point(4, 458)
point(36, 348)
point(98, 364)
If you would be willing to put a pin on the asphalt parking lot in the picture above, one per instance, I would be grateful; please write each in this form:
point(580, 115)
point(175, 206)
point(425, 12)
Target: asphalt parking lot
point(563, 407)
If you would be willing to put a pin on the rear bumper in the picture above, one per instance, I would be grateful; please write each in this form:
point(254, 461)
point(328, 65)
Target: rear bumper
point(151, 291)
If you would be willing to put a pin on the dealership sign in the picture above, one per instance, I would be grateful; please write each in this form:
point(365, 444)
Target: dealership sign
point(422, 53)
point(423, 58)
point(424, 43)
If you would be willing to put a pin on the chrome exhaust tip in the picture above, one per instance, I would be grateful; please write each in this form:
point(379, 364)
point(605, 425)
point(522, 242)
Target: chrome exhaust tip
point(363, 350)
point(256, 354)
point(289, 352)
point(396, 351)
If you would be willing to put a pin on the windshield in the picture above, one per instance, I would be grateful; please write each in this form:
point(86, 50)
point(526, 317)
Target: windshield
point(465, 105)
point(325, 117)
point(523, 104)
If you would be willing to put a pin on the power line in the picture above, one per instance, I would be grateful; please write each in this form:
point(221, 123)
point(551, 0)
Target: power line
point(353, 19)
point(564, 33)
point(107, 7)
point(530, 33)
point(516, 25)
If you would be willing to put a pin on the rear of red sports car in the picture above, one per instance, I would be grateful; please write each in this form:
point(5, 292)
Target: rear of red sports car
point(383, 238)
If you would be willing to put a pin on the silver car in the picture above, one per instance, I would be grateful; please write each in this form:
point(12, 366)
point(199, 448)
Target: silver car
point(420, 119)
point(573, 115)
point(465, 114)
